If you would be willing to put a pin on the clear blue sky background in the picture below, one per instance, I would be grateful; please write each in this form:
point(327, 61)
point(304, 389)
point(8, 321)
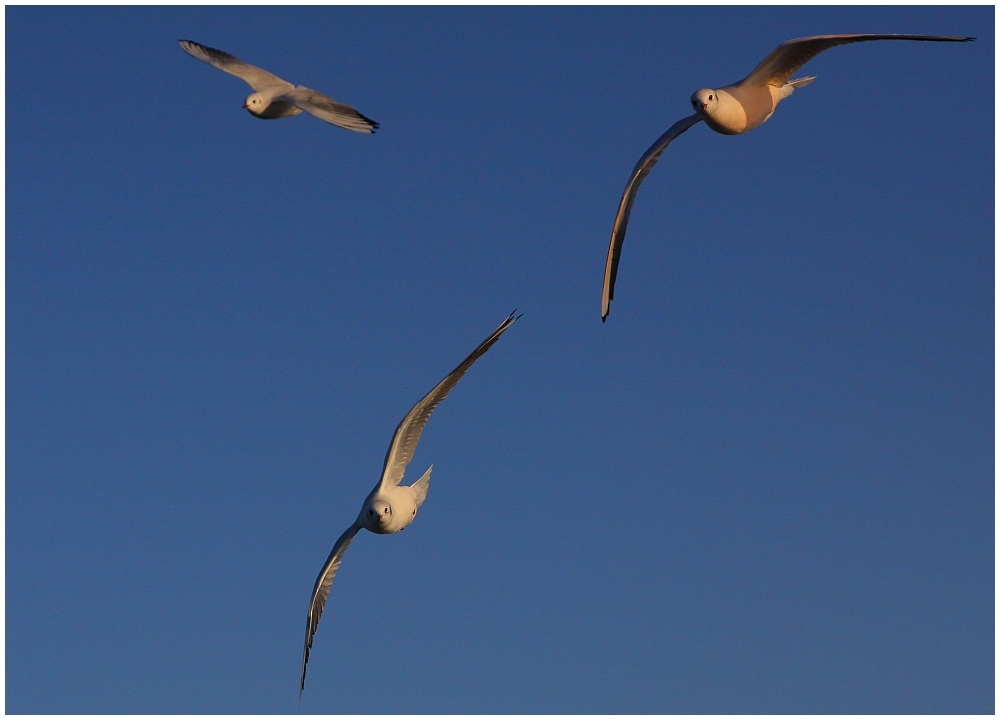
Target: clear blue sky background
point(764, 485)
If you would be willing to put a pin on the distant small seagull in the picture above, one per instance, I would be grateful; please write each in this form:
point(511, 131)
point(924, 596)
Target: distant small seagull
point(274, 98)
point(390, 507)
point(732, 110)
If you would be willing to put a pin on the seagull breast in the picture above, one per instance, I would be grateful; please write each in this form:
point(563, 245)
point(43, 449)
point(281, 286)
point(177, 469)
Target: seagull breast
point(727, 116)
point(277, 109)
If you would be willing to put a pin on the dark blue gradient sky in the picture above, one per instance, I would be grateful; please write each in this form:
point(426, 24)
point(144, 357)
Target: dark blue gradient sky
point(766, 484)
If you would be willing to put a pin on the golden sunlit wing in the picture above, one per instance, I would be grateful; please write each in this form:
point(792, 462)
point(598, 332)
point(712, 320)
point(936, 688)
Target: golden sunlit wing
point(407, 435)
point(788, 57)
point(255, 77)
point(639, 173)
point(321, 591)
point(326, 108)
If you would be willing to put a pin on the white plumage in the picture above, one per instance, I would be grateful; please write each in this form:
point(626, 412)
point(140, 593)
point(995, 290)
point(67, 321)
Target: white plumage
point(390, 507)
point(732, 110)
point(274, 98)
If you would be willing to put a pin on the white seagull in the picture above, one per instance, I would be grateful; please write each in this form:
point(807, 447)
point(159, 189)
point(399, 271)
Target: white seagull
point(732, 110)
point(274, 98)
point(390, 507)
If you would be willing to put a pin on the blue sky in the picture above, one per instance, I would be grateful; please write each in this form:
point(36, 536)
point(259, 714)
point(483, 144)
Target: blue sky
point(764, 485)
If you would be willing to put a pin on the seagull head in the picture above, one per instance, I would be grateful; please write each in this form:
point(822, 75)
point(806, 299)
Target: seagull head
point(378, 514)
point(705, 101)
point(255, 103)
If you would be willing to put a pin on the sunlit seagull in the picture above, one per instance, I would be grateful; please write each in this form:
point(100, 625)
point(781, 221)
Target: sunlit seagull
point(390, 507)
point(732, 110)
point(274, 98)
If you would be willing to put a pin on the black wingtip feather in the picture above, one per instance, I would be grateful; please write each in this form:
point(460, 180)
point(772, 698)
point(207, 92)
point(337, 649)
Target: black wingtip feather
point(510, 320)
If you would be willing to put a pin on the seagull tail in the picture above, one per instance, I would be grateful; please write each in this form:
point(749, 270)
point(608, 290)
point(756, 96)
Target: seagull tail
point(789, 87)
point(421, 485)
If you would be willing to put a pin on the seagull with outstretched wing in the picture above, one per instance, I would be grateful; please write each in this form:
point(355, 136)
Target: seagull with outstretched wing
point(274, 98)
point(733, 110)
point(390, 507)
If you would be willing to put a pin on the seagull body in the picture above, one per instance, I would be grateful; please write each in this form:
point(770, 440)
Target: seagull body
point(390, 507)
point(732, 110)
point(735, 109)
point(274, 98)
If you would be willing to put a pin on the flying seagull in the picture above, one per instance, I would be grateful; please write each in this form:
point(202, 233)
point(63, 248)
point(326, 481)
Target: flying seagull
point(390, 507)
point(274, 98)
point(732, 110)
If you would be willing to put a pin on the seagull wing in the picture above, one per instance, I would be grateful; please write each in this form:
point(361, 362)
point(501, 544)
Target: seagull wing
point(326, 108)
point(407, 434)
point(788, 57)
point(321, 590)
point(639, 173)
point(252, 76)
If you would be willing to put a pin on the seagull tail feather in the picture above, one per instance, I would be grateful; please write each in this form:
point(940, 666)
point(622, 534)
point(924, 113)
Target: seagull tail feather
point(421, 485)
point(789, 87)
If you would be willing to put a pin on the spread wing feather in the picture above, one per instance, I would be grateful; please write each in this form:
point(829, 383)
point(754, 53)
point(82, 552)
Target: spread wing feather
point(639, 173)
point(321, 590)
point(252, 76)
point(407, 435)
point(788, 57)
point(326, 108)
